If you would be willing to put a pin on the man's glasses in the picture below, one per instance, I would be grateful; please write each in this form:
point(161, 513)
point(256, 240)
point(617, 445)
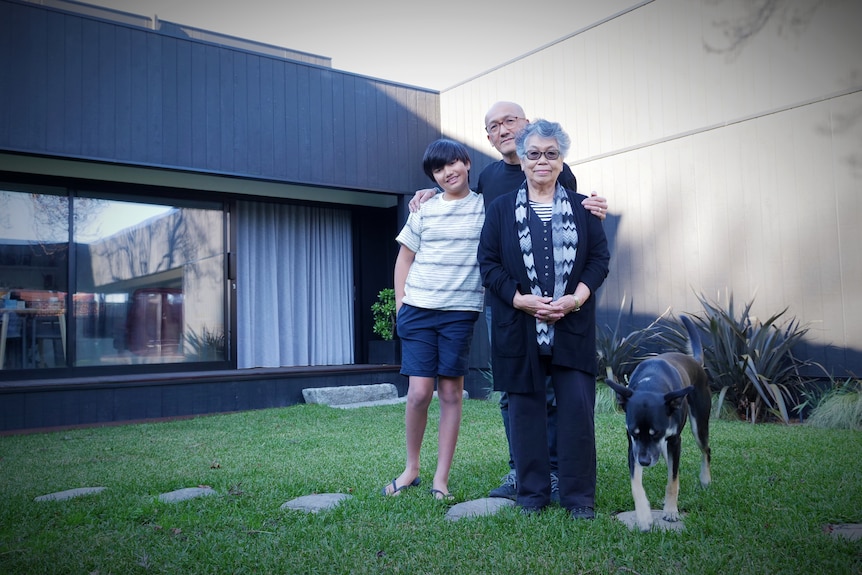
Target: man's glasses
point(536, 154)
point(508, 121)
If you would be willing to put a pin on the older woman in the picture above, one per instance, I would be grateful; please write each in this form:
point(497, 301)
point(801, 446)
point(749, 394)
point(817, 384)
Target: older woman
point(542, 258)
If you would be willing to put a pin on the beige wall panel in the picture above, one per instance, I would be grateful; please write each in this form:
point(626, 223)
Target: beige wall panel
point(678, 239)
point(603, 66)
point(650, 67)
point(551, 81)
point(816, 258)
point(846, 131)
point(621, 79)
point(742, 219)
point(579, 130)
point(587, 64)
point(676, 93)
point(712, 69)
point(679, 66)
point(728, 148)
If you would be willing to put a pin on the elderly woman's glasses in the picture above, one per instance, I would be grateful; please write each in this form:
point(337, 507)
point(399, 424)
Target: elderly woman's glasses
point(508, 121)
point(536, 154)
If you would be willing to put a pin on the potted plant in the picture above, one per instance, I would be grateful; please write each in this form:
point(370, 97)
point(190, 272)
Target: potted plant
point(384, 350)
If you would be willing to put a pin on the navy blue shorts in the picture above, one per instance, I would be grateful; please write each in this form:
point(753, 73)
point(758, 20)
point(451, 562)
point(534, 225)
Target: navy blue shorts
point(435, 342)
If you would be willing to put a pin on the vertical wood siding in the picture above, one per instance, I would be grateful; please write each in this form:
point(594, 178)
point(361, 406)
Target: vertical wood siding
point(731, 164)
point(80, 87)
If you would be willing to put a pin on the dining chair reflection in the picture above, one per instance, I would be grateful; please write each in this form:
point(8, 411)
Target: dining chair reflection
point(37, 331)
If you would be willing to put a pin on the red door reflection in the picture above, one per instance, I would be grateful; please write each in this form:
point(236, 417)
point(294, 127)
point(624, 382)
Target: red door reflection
point(154, 325)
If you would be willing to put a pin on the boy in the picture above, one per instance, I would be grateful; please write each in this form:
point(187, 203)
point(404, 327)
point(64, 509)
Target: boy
point(438, 296)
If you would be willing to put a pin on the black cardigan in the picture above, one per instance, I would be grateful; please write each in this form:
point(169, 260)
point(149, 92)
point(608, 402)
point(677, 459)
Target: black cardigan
point(514, 351)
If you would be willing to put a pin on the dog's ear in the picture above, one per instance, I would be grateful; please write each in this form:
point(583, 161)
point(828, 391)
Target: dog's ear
point(623, 392)
point(673, 399)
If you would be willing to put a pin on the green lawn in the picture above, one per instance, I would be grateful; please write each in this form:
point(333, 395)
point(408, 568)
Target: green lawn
point(774, 488)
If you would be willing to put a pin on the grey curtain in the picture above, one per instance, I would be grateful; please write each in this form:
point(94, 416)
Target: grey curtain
point(294, 286)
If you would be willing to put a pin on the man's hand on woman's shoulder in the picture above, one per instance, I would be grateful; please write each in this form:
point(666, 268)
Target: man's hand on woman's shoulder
point(420, 197)
point(595, 204)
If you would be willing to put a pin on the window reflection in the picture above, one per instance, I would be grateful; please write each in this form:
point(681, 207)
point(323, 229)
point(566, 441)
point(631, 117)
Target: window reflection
point(34, 241)
point(150, 283)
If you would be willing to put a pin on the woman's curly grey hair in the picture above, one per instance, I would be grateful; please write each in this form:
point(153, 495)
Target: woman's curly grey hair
point(543, 129)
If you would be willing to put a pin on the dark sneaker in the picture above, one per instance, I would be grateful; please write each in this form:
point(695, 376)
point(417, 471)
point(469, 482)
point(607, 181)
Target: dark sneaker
point(555, 489)
point(508, 489)
point(583, 513)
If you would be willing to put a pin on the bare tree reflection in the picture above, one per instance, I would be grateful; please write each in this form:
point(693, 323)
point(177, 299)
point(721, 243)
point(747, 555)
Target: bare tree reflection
point(843, 123)
point(51, 219)
point(169, 241)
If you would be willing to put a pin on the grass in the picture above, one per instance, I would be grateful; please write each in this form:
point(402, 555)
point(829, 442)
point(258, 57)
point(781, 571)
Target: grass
point(774, 488)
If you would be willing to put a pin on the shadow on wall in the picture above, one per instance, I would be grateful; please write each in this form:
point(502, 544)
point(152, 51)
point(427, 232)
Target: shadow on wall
point(837, 361)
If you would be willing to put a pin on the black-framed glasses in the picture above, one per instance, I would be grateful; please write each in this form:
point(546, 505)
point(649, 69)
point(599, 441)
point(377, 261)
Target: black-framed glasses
point(551, 154)
point(508, 121)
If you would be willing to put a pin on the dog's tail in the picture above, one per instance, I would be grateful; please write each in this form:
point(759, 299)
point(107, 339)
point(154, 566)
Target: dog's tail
point(695, 346)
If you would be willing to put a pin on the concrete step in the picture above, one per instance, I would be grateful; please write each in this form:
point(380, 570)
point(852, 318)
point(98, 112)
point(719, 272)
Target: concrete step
point(347, 394)
point(353, 396)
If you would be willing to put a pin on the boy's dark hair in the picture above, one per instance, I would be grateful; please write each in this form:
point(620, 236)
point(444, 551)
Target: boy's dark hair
point(441, 152)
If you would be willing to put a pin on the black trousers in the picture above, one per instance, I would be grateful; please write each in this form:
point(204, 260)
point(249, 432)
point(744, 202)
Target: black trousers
point(576, 440)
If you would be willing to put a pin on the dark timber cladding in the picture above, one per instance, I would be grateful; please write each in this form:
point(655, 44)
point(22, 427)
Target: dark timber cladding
point(81, 87)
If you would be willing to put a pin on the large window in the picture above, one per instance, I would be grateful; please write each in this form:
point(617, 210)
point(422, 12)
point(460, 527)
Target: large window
point(147, 283)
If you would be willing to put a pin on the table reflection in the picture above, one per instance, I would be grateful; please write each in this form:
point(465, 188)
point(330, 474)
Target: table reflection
point(33, 332)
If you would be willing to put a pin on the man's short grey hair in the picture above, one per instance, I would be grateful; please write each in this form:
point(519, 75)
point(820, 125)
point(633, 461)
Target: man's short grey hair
point(543, 129)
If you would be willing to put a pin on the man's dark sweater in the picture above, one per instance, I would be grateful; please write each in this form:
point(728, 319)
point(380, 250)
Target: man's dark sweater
point(501, 178)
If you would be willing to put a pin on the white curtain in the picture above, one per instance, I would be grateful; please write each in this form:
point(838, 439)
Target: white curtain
point(294, 286)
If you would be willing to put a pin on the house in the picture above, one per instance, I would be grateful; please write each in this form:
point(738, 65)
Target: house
point(192, 223)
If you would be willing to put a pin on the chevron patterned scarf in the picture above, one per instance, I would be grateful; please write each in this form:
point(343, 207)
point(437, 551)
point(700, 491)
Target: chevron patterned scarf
point(565, 238)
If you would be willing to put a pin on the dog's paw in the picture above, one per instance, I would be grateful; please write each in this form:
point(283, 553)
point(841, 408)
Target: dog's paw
point(644, 520)
point(705, 477)
point(670, 516)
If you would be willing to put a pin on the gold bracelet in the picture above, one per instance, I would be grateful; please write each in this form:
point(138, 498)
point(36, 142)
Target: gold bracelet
point(577, 304)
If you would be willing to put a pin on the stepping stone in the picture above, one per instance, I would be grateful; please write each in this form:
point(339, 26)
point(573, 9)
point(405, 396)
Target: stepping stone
point(70, 493)
point(658, 522)
point(186, 493)
point(478, 508)
point(316, 503)
point(851, 531)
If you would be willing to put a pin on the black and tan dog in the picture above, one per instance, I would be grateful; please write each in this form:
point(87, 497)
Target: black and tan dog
point(664, 391)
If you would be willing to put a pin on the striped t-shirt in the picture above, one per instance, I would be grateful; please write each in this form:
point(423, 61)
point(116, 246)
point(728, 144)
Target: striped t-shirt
point(445, 237)
point(544, 211)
